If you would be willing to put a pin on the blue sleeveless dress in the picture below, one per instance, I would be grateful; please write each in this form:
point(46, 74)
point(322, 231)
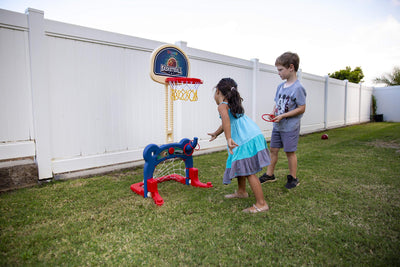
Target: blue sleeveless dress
point(252, 153)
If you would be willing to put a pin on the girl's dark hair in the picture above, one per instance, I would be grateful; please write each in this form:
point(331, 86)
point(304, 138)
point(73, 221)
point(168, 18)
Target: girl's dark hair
point(228, 87)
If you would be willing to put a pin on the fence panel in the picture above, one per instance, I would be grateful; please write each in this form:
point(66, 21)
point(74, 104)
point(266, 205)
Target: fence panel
point(104, 106)
point(353, 103)
point(336, 105)
point(365, 103)
point(313, 118)
point(16, 118)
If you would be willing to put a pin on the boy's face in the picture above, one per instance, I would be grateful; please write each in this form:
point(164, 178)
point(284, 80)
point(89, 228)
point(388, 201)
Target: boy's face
point(283, 72)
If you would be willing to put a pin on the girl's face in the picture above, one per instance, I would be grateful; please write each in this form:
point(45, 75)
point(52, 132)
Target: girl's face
point(218, 97)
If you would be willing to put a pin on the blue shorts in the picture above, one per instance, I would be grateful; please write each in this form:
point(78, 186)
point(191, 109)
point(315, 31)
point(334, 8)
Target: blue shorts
point(287, 140)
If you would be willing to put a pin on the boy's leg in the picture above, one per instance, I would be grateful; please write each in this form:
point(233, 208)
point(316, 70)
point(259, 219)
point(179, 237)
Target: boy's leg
point(276, 144)
point(292, 180)
point(290, 141)
point(274, 159)
point(292, 161)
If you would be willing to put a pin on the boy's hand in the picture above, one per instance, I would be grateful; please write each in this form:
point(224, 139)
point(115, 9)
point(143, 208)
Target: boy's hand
point(278, 118)
point(271, 117)
point(231, 145)
point(295, 112)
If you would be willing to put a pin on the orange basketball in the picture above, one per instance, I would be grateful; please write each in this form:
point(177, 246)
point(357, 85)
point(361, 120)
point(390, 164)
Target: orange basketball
point(171, 62)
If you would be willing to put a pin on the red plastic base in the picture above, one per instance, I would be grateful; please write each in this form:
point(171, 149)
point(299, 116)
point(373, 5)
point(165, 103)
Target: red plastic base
point(138, 188)
point(194, 178)
point(152, 184)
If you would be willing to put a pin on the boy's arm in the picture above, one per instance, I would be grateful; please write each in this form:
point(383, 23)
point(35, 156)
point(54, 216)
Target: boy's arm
point(272, 114)
point(297, 111)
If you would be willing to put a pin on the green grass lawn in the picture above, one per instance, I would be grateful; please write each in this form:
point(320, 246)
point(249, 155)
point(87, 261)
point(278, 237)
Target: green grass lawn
point(346, 212)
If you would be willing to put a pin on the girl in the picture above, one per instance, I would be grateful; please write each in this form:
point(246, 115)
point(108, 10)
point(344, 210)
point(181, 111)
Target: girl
point(247, 148)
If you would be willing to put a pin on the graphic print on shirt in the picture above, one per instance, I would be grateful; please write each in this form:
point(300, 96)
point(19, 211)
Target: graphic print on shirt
point(283, 104)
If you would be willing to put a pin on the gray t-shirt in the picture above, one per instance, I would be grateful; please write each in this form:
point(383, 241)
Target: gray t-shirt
point(287, 99)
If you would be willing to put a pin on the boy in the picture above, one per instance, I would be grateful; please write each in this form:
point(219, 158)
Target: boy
point(290, 104)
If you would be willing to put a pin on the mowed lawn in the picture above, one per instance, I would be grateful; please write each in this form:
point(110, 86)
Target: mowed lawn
point(346, 212)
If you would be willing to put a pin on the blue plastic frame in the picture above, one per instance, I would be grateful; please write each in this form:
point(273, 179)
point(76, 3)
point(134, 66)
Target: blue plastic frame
point(154, 155)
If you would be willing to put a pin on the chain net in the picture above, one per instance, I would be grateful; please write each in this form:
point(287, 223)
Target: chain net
point(184, 91)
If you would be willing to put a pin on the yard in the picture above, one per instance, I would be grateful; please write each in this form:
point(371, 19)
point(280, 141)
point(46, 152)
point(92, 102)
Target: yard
point(346, 212)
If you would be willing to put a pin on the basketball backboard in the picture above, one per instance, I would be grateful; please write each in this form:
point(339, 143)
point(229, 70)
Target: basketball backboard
point(168, 61)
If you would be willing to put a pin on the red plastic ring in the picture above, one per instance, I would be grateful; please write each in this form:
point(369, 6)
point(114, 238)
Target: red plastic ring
point(184, 148)
point(268, 120)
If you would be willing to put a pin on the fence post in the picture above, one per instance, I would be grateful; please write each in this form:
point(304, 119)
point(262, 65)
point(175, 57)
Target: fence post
point(326, 101)
point(359, 102)
point(300, 74)
point(40, 91)
point(346, 82)
point(254, 88)
point(178, 109)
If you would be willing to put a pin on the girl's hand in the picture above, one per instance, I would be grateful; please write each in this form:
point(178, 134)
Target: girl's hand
point(213, 136)
point(231, 145)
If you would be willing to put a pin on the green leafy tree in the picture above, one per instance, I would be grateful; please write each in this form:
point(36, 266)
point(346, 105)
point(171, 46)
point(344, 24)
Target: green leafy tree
point(390, 79)
point(354, 76)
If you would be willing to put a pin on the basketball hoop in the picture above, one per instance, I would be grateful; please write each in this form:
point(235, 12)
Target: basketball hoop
point(183, 88)
point(170, 66)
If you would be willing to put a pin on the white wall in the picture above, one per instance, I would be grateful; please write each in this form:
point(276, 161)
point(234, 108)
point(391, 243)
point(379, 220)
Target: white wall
point(77, 98)
point(387, 101)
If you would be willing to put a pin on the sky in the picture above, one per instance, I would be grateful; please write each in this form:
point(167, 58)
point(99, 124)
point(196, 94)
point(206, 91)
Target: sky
point(328, 35)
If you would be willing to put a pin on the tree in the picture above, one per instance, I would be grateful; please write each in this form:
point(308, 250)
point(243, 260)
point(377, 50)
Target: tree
point(390, 79)
point(354, 76)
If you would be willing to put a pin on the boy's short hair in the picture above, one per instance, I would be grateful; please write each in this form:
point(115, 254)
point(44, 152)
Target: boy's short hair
point(288, 58)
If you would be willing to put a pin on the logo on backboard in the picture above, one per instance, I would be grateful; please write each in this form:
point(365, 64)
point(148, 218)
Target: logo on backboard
point(170, 62)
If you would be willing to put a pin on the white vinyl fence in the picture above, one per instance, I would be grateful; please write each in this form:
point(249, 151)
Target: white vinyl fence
point(387, 101)
point(76, 98)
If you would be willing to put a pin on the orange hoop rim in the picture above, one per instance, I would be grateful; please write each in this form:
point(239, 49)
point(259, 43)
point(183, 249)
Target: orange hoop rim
point(183, 80)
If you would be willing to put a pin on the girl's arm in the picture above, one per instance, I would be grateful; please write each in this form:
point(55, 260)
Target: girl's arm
point(220, 129)
point(226, 126)
point(215, 134)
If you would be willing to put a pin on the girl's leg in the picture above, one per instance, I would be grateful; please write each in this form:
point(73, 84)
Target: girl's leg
point(241, 192)
point(257, 190)
point(241, 185)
